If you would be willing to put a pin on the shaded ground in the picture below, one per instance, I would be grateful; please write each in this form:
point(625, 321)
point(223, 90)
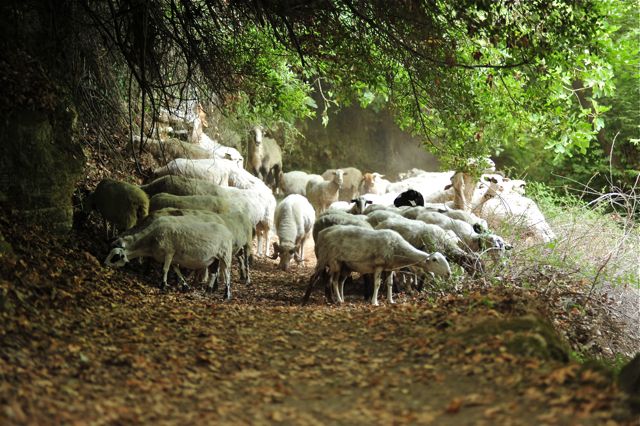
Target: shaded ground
point(81, 344)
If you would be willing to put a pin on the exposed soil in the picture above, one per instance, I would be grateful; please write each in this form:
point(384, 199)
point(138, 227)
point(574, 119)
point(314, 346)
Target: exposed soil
point(83, 344)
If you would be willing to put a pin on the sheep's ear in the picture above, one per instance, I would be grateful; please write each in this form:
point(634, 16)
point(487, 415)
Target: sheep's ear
point(368, 202)
point(448, 186)
point(354, 201)
point(493, 180)
point(508, 246)
point(506, 179)
point(478, 228)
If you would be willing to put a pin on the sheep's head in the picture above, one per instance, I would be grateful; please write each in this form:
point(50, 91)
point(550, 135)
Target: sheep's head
point(117, 258)
point(437, 264)
point(257, 134)
point(360, 204)
point(285, 252)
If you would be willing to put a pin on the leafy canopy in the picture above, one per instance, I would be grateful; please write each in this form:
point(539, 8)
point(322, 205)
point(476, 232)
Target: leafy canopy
point(470, 77)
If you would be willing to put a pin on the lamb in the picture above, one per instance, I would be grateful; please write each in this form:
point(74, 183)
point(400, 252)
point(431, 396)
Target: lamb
point(432, 238)
point(322, 194)
point(120, 203)
point(214, 204)
point(180, 241)
point(373, 183)
point(294, 219)
point(265, 158)
point(295, 182)
point(181, 185)
point(216, 149)
point(351, 182)
point(520, 211)
point(216, 171)
point(345, 248)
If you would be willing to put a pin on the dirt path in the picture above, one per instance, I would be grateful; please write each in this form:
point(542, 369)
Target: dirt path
point(87, 345)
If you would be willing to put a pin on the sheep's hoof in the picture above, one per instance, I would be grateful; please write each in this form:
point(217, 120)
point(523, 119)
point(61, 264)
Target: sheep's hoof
point(185, 287)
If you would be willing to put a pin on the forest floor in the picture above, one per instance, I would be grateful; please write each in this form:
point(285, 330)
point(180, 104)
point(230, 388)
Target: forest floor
point(84, 344)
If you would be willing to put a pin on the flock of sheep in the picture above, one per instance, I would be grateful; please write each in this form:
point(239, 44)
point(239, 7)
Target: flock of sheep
point(201, 212)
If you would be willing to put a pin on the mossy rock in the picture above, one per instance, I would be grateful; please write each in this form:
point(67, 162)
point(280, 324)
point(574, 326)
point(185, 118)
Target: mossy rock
point(40, 164)
point(525, 336)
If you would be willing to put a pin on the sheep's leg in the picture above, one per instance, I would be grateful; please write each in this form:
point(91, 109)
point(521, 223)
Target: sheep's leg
point(342, 280)
point(246, 255)
point(165, 270)
point(334, 286)
point(376, 286)
point(213, 280)
point(390, 287)
point(183, 282)
point(224, 271)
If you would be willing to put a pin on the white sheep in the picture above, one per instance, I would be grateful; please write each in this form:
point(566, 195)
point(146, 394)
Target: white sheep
point(479, 225)
point(216, 170)
point(355, 206)
point(211, 203)
point(294, 182)
point(518, 211)
point(294, 219)
point(236, 221)
point(470, 239)
point(345, 248)
point(350, 184)
point(373, 183)
point(120, 203)
point(265, 158)
point(181, 185)
point(180, 241)
point(322, 194)
point(377, 216)
point(432, 238)
point(335, 217)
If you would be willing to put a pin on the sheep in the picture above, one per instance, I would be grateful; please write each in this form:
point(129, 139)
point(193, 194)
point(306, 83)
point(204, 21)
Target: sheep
point(203, 141)
point(216, 170)
point(259, 201)
point(336, 217)
point(373, 183)
point(170, 149)
point(294, 219)
point(425, 183)
point(383, 199)
point(470, 239)
point(346, 248)
point(351, 182)
point(214, 204)
point(322, 194)
point(181, 185)
point(120, 203)
point(236, 221)
point(294, 182)
point(520, 211)
point(479, 225)
point(377, 216)
point(180, 241)
point(432, 238)
point(414, 172)
point(265, 158)
point(356, 206)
